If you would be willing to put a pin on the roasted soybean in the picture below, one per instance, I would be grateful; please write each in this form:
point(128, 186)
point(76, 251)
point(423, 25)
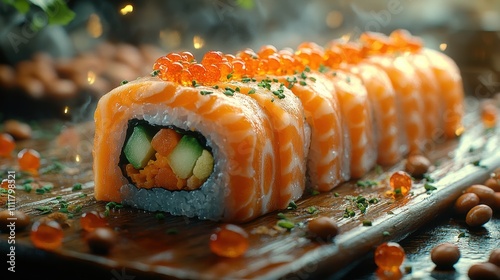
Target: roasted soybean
point(445, 255)
point(323, 227)
point(484, 271)
point(465, 202)
point(478, 215)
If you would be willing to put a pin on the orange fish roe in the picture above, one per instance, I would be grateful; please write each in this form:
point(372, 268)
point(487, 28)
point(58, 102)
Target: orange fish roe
point(29, 160)
point(376, 43)
point(404, 41)
point(7, 145)
point(47, 235)
point(389, 256)
point(92, 220)
point(157, 173)
point(400, 182)
point(489, 114)
point(229, 241)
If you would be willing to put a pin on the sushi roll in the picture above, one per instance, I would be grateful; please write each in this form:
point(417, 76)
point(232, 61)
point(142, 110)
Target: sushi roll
point(223, 163)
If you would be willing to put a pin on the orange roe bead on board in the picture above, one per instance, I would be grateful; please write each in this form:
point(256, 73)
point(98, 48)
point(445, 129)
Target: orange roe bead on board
point(7, 145)
point(489, 114)
point(47, 235)
point(213, 57)
point(389, 256)
point(92, 220)
point(29, 160)
point(400, 182)
point(229, 241)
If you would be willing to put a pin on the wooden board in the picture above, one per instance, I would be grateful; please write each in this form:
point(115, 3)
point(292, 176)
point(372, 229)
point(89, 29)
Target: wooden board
point(147, 248)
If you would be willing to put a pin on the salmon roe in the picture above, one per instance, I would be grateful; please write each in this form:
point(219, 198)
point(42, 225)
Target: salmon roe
point(229, 241)
point(7, 145)
point(47, 235)
point(400, 182)
point(489, 114)
point(29, 160)
point(92, 220)
point(404, 41)
point(389, 256)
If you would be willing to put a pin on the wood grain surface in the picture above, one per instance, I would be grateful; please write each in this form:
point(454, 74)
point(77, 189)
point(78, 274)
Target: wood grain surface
point(149, 246)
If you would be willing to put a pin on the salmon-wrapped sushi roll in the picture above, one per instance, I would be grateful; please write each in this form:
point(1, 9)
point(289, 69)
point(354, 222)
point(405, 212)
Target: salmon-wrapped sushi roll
point(407, 86)
point(193, 151)
point(382, 99)
point(355, 110)
point(328, 159)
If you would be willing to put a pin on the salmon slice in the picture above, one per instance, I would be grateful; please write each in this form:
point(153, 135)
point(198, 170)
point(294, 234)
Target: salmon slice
point(382, 97)
point(328, 160)
point(357, 115)
point(289, 125)
point(451, 90)
point(239, 131)
point(410, 106)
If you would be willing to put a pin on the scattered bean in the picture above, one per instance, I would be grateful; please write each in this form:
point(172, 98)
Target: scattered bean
point(465, 202)
point(17, 129)
point(323, 227)
point(101, 240)
point(484, 271)
point(493, 183)
point(21, 222)
point(486, 195)
point(417, 165)
point(478, 215)
point(495, 257)
point(445, 255)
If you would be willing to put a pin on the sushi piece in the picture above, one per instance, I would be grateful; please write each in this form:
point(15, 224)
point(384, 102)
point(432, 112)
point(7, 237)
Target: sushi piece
point(355, 110)
point(233, 131)
point(390, 147)
point(407, 86)
point(328, 159)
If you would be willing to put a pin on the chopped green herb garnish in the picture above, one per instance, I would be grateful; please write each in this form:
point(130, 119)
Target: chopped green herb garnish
point(29, 180)
point(76, 187)
point(237, 89)
point(205, 92)
point(111, 205)
point(3, 191)
point(124, 82)
point(229, 91)
point(334, 73)
point(266, 83)
point(281, 216)
point(360, 199)
point(408, 269)
point(312, 210)
point(194, 83)
point(216, 87)
point(307, 69)
point(279, 93)
point(44, 209)
point(386, 233)
point(303, 76)
point(64, 210)
point(275, 80)
point(348, 213)
point(252, 91)
point(462, 234)
point(155, 73)
point(478, 164)
point(245, 80)
point(373, 200)
point(27, 187)
point(55, 167)
point(286, 224)
point(378, 169)
point(367, 223)
point(366, 183)
point(172, 231)
point(322, 68)
point(58, 197)
point(312, 79)
point(78, 208)
point(229, 76)
point(336, 194)
point(428, 187)
point(390, 212)
point(348, 79)
point(314, 192)
point(160, 216)
point(397, 191)
point(292, 206)
point(291, 81)
point(361, 207)
point(82, 195)
point(428, 178)
point(302, 83)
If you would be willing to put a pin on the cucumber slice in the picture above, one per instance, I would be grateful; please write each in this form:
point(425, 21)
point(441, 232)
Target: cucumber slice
point(138, 149)
point(183, 157)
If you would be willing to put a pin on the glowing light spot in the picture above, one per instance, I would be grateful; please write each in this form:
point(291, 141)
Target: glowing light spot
point(198, 42)
point(459, 131)
point(334, 19)
point(66, 109)
point(94, 26)
point(443, 46)
point(346, 37)
point(91, 76)
point(127, 9)
point(170, 39)
point(77, 158)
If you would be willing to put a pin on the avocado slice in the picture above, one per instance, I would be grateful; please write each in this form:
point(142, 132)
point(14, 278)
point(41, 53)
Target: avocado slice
point(184, 156)
point(138, 149)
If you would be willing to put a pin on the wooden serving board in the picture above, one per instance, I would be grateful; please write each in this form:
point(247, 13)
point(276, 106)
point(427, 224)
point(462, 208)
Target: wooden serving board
point(158, 246)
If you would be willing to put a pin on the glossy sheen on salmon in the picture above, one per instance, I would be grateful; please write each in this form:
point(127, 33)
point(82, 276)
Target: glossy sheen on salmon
point(237, 125)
